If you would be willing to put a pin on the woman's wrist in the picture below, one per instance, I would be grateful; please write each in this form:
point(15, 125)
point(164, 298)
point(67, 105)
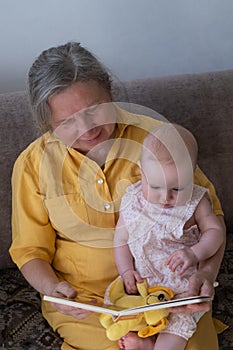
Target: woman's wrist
point(40, 275)
point(207, 272)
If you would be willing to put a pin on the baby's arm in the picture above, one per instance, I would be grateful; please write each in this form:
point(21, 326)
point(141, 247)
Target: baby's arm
point(124, 258)
point(212, 234)
point(212, 237)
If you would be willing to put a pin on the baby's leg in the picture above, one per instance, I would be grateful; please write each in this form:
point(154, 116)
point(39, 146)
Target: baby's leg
point(170, 341)
point(132, 341)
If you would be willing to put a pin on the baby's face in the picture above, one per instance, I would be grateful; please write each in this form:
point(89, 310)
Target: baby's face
point(166, 185)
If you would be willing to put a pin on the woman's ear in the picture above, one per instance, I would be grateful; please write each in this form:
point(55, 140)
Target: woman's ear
point(139, 163)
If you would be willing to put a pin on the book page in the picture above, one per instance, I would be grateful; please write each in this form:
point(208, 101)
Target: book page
point(114, 310)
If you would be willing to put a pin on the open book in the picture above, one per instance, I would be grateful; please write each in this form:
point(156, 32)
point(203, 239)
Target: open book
point(117, 313)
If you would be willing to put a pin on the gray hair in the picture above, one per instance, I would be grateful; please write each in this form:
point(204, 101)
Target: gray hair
point(56, 69)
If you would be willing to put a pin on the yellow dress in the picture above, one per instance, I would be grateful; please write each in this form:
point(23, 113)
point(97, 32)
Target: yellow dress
point(65, 208)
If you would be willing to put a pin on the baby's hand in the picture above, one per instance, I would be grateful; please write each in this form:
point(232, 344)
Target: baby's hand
point(130, 277)
point(183, 258)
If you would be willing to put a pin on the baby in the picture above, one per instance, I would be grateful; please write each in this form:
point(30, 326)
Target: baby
point(166, 227)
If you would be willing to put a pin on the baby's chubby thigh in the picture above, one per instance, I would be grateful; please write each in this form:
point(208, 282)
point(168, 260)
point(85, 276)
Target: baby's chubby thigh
point(183, 325)
point(201, 335)
point(86, 334)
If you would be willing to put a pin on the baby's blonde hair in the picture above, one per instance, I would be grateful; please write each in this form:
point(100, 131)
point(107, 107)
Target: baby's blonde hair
point(170, 143)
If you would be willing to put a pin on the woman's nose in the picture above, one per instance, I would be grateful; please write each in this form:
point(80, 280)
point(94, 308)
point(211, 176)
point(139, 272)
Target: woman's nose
point(84, 124)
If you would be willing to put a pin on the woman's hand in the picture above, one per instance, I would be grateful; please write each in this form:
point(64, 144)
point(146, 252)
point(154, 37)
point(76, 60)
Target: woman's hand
point(200, 283)
point(65, 290)
point(46, 282)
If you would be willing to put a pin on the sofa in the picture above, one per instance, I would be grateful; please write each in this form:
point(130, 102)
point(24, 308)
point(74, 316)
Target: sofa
point(201, 102)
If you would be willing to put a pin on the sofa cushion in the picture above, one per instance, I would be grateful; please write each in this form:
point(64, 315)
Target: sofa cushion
point(16, 132)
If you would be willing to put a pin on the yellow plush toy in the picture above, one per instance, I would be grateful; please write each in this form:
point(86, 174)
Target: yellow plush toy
point(147, 323)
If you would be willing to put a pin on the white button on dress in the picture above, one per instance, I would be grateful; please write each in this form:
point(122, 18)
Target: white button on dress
point(107, 206)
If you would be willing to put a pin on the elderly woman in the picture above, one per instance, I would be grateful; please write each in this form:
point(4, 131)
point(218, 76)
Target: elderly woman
point(67, 187)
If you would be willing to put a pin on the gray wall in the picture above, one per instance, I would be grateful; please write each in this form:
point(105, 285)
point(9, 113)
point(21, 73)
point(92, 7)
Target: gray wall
point(134, 38)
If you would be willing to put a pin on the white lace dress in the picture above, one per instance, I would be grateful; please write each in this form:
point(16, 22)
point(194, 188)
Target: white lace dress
point(154, 233)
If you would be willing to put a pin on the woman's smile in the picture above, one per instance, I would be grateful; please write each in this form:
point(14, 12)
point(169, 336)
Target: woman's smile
point(92, 138)
point(84, 131)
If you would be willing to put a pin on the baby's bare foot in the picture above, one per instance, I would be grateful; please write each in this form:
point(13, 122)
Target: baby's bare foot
point(131, 341)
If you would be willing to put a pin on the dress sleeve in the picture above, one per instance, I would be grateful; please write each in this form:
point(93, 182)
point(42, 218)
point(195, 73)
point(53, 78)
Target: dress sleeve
point(32, 234)
point(201, 180)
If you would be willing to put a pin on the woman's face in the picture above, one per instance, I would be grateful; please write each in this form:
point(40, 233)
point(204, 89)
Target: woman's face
point(82, 115)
